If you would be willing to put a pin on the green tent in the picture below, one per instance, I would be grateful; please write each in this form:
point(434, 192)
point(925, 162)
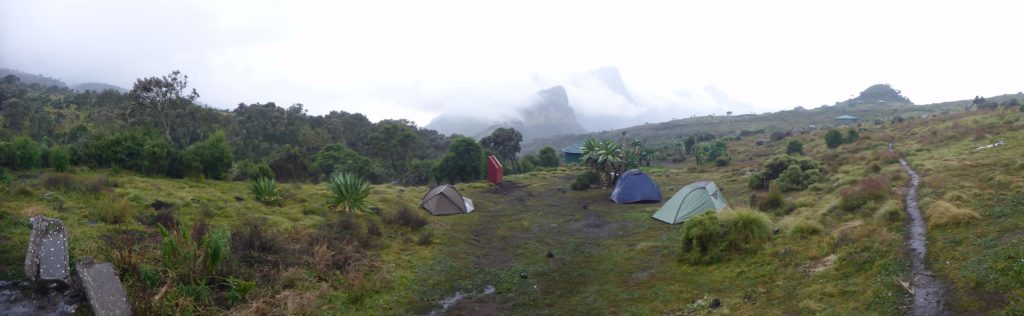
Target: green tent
point(692, 200)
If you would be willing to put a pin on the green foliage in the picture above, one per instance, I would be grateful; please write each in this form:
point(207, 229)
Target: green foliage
point(585, 181)
point(605, 157)
point(265, 190)
point(238, 290)
point(27, 153)
point(833, 138)
point(212, 156)
point(688, 143)
point(505, 143)
point(703, 239)
point(712, 151)
point(194, 260)
point(289, 164)
point(747, 229)
point(337, 158)
point(774, 168)
point(156, 154)
point(547, 157)
point(795, 147)
point(246, 169)
point(349, 193)
point(59, 159)
point(774, 200)
point(870, 189)
point(851, 136)
point(392, 142)
point(463, 163)
point(803, 229)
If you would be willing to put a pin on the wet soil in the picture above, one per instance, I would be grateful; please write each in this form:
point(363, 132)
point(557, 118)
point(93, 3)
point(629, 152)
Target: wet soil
point(927, 288)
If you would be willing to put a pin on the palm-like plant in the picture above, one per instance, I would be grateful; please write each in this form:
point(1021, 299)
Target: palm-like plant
point(350, 193)
point(265, 190)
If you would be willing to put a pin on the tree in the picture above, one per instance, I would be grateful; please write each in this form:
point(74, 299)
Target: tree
point(336, 158)
point(548, 157)
point(833, 138)
point(689, 142)
point(463, 162)
point(504, 142)
point(213, 156)
point(59, 158)
point(605, 157)
point(27, 153)
point(391, 142)
point(161, 100)
point(795, 147)
point(851, 136)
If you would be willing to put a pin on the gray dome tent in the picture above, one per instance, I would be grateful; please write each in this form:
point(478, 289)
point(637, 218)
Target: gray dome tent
point(445, 200)
point(692, 200)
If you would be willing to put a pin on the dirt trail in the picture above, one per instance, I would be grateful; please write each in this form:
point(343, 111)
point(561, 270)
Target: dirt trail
point(927, 289)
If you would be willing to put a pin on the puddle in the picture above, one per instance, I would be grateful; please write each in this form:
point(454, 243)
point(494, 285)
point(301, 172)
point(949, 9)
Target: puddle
point(450, 301)
point(21, 298)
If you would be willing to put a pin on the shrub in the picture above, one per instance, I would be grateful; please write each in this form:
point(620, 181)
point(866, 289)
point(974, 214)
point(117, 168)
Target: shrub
point(156, 156)
point(703, 239)
point(349, 193)
point(212, 157)
point(792, 179)
point(96, 185)
point(773, 168)
point(722, 161)
point(547, 158)
point(337, 158)
point(27, 153)
point(464, 162)
point(851, 136)
point(252, 240)
point(942, 213)
point(833, 138)
point(60, 182)
point(246, 170)
point(780, 135)
point(804, 228)
point(773, 200)
point(59, 159)
point(747, 229)
point(406, 217)
point(795, 147)
point(194, 256)
point(869, 189)
point(585, 181)
point(373, 229)
point(116, 212)
point(265, 190)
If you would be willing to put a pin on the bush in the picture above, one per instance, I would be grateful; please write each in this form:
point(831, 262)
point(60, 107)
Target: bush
point(464, 162)
point(833, 138)
point(851, 136)
point(426, 239)
point(406, 217)
point(337, 158)
point(722, 161)
point(212, 157)
point(547, 157)
point(116, 212)
point(942, 213)
point(156, 156)
point(746, 229)
point(869, 189)
point(703, 239)
point(27, 153)
point(265, 190)
point(349, 193)
point(780, 135)
point(795, 147)
point(251, 240)
point(97, 185)
point(804, 229)
point(60, 182)
point(792, 179)
point(59, 159)
point(585, 181)
point(773, 169)
point(773, 200)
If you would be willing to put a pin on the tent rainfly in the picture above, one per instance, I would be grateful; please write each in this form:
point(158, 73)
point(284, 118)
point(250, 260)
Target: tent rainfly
point(445, 200)
point(635, 186)
point(692, 200)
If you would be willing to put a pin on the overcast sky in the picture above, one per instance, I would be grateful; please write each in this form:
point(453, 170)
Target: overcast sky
point(415, 59)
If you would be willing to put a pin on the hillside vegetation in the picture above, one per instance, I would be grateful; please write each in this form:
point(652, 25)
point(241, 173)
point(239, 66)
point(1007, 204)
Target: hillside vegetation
point(262, 210)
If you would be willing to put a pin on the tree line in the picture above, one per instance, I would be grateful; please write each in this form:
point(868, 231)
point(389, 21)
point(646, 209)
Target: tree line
point(158, 129)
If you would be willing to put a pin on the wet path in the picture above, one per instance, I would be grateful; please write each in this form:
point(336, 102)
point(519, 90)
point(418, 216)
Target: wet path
point(927, 289)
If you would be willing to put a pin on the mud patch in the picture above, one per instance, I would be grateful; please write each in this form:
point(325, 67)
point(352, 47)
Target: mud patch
point(595, 227)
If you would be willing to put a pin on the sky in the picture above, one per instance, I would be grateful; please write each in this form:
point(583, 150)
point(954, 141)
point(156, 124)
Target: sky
point(417, 59)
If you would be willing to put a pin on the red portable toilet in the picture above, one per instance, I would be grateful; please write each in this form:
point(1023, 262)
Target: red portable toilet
point(494, 171)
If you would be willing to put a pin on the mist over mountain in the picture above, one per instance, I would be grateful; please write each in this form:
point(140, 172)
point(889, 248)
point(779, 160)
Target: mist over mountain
point(96, 86)
point(879, 93)
point(549, 115)
point(28, 78)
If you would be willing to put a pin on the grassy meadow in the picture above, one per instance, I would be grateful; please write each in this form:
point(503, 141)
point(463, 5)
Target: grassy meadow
point(828, 256)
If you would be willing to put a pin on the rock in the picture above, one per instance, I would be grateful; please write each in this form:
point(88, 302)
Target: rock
point(761, 142)
point(775, 230)
point(585, 206)
point(239, 199)
point(46, 260)
point(715, 303)
point(550, 255)
point(524, 276)
point(103, 288)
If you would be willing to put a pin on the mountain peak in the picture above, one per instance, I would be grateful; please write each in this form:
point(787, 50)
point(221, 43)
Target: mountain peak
point(880, 93)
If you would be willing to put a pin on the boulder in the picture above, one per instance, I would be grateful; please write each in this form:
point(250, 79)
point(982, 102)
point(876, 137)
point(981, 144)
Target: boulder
point(46, 260)
point(103, 288)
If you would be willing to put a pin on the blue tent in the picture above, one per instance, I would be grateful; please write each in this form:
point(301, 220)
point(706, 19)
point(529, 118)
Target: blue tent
point(635, 186)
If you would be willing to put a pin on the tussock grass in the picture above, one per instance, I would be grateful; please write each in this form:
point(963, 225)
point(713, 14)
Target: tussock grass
point(942, 213)
point(746, 229)
point(890, 212)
